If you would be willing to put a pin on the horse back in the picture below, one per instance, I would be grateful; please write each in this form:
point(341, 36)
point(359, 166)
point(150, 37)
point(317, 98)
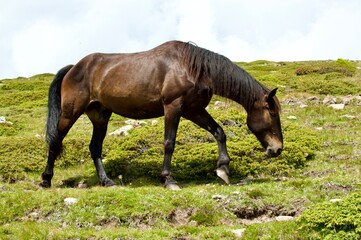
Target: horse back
point(134, 85)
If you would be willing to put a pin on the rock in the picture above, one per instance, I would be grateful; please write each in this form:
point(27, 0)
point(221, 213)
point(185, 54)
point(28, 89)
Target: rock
point(219, 104)
point(319, 128)
point(348, 116)
point(313, 99)
point(218, 197)
point(339, 106)
point(292, 117)
point(329, 100)
point(303, 105)
point(154, 122)
point(335, 200)
point(193, 223)
point(3, 120)
point(38, 136)
point(347, 99)
point(284, 218)
point(82, 185)
point(291, 101)
point(70, 201)
point(135, 123)
point(34, 215)
point(123, 131)
point(239, 232)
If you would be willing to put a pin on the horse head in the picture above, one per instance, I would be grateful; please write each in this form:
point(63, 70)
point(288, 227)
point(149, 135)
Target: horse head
point(264, 122)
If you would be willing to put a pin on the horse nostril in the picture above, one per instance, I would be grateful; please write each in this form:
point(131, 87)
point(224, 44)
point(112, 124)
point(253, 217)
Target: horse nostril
point(279, 151)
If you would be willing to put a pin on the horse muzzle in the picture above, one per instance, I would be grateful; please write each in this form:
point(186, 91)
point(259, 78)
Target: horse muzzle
point(273, 151)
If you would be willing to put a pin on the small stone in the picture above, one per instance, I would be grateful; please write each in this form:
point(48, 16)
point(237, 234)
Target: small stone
point(329, 100)
point(218, 197)
point(303, 105)
point(335, 200)
point(70, 201)
point(284, 218)
point(239, 232)
point(219, 104)
point(82, 185)
point(338, 106)
point(2, 119)
point(313, 99)
point(38, 136)
point(319, 128)
point(347, 99)
point(154, 122)
point(292, 117)
point(34, 215)
point(135, 123)
point(123, 131)
point(348, 116)
point(193, 223)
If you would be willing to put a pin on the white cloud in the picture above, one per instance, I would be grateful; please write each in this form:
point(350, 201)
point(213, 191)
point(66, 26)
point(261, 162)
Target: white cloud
point(42, 36)
point(333, 34)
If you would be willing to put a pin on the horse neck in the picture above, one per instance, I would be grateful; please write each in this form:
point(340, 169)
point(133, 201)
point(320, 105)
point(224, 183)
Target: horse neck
point(239, 86)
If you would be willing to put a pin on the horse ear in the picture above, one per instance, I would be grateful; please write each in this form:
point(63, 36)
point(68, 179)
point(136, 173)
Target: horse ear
point(272, 94)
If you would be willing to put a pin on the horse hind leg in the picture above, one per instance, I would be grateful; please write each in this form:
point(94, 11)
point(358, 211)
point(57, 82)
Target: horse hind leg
point(55, 145)
point(99, 116)
point(58, 127)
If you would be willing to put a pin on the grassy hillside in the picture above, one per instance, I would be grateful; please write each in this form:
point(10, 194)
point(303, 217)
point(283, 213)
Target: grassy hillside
point(320, 162)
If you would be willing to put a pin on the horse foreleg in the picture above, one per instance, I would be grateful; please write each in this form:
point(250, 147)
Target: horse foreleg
point(205, 121)
point(99, 120)
point(172, 117)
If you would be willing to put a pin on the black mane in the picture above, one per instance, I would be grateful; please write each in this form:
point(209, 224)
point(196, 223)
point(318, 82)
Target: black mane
point(229, 80)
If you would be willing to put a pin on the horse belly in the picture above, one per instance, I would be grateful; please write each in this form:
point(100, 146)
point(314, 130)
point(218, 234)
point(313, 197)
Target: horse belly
point(135, 107)
point(131, 87)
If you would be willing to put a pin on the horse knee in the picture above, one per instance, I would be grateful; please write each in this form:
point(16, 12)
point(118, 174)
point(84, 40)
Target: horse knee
point(169, 146)
point(220, 135)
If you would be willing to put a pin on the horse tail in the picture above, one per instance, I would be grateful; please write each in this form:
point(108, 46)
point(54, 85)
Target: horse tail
point(53, 139)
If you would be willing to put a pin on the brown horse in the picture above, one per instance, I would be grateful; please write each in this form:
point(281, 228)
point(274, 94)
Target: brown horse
point(173, 80)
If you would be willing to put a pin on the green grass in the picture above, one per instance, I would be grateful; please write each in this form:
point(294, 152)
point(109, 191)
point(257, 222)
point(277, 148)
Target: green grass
point(321, 161)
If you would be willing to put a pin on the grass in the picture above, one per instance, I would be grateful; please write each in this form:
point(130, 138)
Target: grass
point(321, 161)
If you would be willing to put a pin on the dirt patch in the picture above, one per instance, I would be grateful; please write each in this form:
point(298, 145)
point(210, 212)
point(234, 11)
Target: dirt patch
point(180, 216)
point(270, 210)
point(250, 215)
point(111, 222)
point(331, 186)
point(143, 222)
point(317, 174)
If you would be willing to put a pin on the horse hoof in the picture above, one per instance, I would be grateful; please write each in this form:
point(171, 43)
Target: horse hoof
point(172, 186)
point(45, 184)
point(108, 183)
point(223, 175)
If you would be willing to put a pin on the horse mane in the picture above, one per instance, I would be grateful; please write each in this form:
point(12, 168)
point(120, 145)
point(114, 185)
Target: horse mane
point(229, 80)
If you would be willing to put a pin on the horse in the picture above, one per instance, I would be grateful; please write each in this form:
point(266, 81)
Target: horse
point(175, 79)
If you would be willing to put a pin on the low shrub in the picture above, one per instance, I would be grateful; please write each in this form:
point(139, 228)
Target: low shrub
point(337, 220)
point(20, 155)
point(342, 66)
point(141, 154)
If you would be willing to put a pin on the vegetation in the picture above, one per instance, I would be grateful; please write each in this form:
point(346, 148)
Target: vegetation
point(320, 162)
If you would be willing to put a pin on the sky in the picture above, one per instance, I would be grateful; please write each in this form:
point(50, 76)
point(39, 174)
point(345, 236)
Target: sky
point(42, 36)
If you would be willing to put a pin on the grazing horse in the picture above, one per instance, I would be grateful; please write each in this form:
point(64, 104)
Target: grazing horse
point(174, 80)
